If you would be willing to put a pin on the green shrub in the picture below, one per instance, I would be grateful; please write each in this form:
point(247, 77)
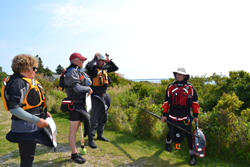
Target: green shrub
point(146, 125)
point(225, 122)
point(229, 103)
point(55, 100)
point(142, 89)
point(47, 85)
point(119, 114)
point(245, 114)
point(56, 82)
point(225, 131)
point(118, 79)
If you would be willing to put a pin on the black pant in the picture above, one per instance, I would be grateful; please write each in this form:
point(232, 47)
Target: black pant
point(27, 153)
point(97, 119)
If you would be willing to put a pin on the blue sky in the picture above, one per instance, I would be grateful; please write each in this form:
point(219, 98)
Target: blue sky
point(145, 38)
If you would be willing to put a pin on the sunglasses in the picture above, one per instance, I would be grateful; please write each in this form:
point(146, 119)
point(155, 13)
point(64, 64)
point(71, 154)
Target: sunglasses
point(34, 68)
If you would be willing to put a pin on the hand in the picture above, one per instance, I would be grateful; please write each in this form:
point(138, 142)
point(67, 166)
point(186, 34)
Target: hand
point(196, 119)
point(49, 115)
point(42, 123)
point(107, 59)
point(97, 55)
point(163, 119)
point(90, 92)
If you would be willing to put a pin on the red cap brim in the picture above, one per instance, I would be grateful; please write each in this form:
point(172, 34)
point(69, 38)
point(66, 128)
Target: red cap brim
point(82, 58)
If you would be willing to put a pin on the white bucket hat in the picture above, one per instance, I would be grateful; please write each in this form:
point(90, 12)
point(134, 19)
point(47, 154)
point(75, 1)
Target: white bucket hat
point(181, 71)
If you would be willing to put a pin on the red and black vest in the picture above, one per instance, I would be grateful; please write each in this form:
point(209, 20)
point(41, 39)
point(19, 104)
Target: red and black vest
point(180, 99)
point(180, 96)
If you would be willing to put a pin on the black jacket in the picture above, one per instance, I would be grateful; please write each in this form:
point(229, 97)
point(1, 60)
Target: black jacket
point(92, 72)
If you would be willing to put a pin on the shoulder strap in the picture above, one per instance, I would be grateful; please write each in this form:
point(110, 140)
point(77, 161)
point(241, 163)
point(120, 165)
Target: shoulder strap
point(68, 69)
point(32, 82)
point(61, 82)
point(3, 92)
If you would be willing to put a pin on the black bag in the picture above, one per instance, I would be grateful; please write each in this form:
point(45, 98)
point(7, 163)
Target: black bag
point(67, 105)
point(61, 85)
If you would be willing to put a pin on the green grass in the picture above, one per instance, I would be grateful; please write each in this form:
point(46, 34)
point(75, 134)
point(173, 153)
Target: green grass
point(122, 150)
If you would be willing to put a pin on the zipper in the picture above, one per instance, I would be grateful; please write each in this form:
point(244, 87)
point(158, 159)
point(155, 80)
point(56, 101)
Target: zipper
point(179, 97)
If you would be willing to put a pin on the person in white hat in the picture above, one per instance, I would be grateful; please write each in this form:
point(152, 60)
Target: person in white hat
point(180, 97)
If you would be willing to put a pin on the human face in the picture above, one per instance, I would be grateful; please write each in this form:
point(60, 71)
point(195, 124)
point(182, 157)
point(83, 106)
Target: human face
point(31, 73)
point(101, 63)
point(79, 62)
point(180, 77)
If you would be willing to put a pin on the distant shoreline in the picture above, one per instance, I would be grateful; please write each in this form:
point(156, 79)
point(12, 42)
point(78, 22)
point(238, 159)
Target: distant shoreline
point(157, 80)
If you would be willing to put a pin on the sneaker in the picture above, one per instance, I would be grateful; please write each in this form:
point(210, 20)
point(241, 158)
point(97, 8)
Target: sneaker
point(168, 147)
point(77, 158)
point(92, 144)
point(102, 138)
point(192, 160)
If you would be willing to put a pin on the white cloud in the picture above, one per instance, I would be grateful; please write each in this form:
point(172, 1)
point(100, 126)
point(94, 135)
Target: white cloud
point(88, 16)
point(81, 17)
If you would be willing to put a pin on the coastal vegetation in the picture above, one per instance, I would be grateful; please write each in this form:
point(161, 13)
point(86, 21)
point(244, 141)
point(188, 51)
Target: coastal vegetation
point(224, 110)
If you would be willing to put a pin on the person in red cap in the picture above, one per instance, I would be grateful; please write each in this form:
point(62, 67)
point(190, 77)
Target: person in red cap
point(76, 84)
point(180, 97)
point(79, 57)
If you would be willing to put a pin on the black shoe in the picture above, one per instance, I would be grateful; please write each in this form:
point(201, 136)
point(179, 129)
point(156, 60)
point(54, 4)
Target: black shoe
point(102, 138)
point(92, 144)
point(168, 147)
point(77, 158)
point(192, 160)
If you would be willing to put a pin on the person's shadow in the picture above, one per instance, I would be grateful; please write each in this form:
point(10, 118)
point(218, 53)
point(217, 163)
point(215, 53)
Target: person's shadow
point(151, 161)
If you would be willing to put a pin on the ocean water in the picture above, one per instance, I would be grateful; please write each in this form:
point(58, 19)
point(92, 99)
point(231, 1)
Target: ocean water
point(149, 80)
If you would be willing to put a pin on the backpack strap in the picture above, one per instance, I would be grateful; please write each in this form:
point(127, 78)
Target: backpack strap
point(61, 82)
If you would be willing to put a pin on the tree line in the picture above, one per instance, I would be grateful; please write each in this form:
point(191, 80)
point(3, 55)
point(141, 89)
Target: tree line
point(46, 71)
point(40, 69)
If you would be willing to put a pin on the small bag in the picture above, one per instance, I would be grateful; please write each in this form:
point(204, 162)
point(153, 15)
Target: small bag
point(67, 105)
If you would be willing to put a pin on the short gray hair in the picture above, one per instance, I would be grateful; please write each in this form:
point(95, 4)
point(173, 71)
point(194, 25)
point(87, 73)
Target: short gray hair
point(73, 60)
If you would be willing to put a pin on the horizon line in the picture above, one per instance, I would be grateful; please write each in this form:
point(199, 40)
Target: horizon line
point(151, 79)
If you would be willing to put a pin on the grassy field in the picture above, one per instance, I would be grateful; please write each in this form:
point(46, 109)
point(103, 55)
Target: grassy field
point(122, 150)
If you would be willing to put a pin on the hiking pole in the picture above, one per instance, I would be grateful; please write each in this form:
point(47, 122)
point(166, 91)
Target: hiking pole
point(83, 149)
point(170, 123)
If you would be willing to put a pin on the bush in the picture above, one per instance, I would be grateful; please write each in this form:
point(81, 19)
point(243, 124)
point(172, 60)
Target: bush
point(117, 79)
point(225, 131)
point(55, 100)
point(225, 99)
point(47, 84)
point(245, 114)
point(125, 116)
point(122, 102)
point(142, 89)
point(147, 125)
point(229, 103)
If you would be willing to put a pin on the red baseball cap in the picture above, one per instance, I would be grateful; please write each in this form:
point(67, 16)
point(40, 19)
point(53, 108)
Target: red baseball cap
point(77, 55)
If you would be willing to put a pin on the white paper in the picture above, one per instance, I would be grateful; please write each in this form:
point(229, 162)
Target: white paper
point(88, 102)
point(51, 130)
